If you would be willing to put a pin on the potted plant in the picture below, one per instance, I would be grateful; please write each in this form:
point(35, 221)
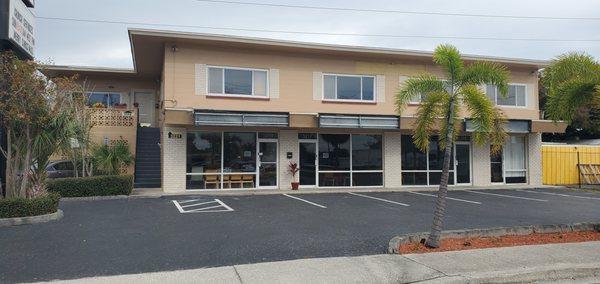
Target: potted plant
point(98, 105)
point(293, 169)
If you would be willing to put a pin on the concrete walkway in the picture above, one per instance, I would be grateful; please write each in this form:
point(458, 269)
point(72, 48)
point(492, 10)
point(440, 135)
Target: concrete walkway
point(554, 262)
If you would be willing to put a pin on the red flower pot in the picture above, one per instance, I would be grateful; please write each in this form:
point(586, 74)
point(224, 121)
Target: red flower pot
point(295, 185)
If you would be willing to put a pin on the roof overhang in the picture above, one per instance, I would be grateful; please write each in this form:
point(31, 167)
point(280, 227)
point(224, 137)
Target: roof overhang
point(148, 47)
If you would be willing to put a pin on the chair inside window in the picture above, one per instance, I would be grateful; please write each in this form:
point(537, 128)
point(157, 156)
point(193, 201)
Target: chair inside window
point(212, 180)
point(235, 181)
point(248, 180)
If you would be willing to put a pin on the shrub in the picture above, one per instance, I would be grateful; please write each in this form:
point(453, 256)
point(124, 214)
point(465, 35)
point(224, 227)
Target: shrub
point(23, 207)
point(92, 186)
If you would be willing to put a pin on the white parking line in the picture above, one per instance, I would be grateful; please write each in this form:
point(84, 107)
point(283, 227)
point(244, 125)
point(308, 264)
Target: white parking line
point(560, 194)
point(213, 204)
point(303, 200)
point(380, 199)
point(508, 196)
point(195, 204)
point(451, 198)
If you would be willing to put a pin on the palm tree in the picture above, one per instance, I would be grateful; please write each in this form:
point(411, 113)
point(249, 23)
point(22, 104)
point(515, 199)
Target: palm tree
point(441, 102)
point(572, 82)
point(110, 159)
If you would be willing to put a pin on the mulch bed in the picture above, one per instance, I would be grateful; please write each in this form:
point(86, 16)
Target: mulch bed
point(505, 241)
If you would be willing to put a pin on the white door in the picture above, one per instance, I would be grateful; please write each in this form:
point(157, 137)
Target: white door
point(145, 101)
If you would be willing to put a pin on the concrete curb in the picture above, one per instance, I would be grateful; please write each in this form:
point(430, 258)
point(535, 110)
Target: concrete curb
point(395, 242)
point(252, 192)
point(7, 222)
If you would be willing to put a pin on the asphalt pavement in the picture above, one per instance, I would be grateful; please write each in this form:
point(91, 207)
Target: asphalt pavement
point(140, 235)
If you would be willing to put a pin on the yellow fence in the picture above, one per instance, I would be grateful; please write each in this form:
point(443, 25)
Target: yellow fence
point(559, 162)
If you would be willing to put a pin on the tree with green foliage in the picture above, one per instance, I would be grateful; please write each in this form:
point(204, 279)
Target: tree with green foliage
point(441, 102)
point(36, 120)
point(572, 84)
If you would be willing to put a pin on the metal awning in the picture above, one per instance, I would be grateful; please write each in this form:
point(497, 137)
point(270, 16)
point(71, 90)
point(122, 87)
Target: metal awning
point(512, 126)
point(211, 118)
point(358, 121)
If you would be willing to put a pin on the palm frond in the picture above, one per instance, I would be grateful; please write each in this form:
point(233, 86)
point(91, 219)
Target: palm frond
point(571, 80)
point(415, 87)
point(428, 113)
point(569, 66)
point(564, 102)
point(485, 72)
point(488, 122)
point(498, 134)
point(448, 57)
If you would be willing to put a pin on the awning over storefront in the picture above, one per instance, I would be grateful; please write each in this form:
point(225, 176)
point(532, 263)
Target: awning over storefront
point(214, 118)
point(358, 121)
point(548, 126)
point(512, 126)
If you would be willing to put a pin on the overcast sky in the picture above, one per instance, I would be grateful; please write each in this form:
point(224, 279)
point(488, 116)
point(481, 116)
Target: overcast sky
point(107, 45)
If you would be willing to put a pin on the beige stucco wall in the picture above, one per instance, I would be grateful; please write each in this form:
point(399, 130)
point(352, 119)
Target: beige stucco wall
point(392, 161)
point(296, 81)
point(173, 160)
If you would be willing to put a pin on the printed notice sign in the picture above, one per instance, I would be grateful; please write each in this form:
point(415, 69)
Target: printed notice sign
point(21, 26)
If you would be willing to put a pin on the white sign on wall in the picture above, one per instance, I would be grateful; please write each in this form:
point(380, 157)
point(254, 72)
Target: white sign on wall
point(21, 26)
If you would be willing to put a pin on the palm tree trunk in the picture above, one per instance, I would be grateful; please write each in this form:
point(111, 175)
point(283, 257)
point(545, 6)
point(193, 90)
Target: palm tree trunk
point(433, 241)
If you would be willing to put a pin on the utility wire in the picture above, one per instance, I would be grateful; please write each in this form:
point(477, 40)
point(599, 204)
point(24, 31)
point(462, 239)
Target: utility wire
point(397, 11)
point(318, 33)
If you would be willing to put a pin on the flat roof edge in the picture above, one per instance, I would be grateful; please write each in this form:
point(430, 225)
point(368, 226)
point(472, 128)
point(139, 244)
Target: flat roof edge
point(322, 46)
point(76, 68)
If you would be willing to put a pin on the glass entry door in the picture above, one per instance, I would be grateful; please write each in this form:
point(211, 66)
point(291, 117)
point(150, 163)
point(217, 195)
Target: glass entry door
point(463, 163)
point(308, 163)
point(267, 160)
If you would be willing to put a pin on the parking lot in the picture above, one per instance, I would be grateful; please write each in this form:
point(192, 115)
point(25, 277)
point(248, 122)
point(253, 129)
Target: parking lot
point(136, 235)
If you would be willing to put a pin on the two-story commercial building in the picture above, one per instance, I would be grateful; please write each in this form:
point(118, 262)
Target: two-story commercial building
point(233, 112)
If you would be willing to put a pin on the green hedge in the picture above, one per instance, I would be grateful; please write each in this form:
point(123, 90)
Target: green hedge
point(92, 186)
point(22, 207)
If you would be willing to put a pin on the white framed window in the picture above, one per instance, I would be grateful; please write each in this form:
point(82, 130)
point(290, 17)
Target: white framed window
point(238, 82)
point(516, 96)
point(105, 98)
point(352, 88)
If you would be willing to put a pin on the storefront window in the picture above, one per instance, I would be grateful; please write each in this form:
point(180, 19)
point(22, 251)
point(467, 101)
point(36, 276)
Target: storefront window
point(350, 160)
point(420, 168)
point(509, 166)
point(367, 160)
point(203, 160)
point(515, 160)
point(221, 160)
point(334, 152)
point(366, 152)
point(239, 152)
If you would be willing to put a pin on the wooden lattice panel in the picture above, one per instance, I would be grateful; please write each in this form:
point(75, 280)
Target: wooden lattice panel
point(590, 173)
point(113, 117)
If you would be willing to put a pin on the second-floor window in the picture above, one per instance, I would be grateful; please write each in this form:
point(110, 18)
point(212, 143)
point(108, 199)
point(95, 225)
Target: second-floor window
point(516, 96)
point(237, 82)
point(106, 99)
point(349, 88)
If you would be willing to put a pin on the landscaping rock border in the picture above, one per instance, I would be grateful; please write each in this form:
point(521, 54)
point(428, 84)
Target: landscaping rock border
point(6, 222)
point(395, 242)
